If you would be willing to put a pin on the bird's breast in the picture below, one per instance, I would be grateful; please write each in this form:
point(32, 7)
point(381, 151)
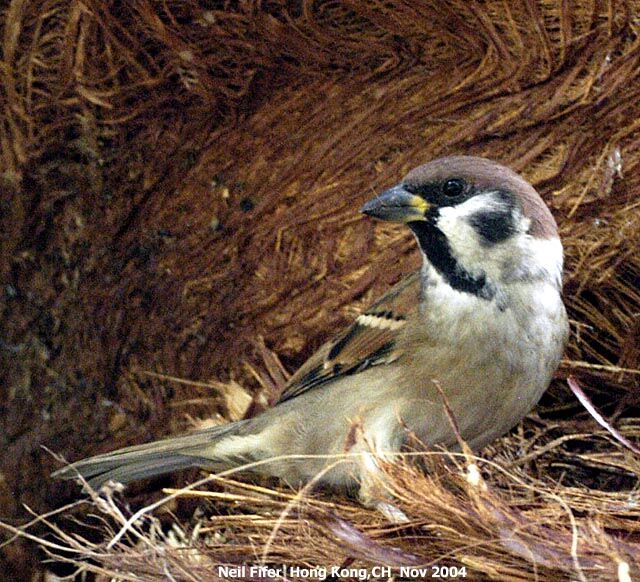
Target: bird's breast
point(492, 363)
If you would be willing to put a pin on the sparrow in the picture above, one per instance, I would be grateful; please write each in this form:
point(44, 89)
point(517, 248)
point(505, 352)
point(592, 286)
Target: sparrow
point(481, 324)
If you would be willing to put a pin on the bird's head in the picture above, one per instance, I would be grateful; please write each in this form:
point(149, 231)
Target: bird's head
point(478, 223)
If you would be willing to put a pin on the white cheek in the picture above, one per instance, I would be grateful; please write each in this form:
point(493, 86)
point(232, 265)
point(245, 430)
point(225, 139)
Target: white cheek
point(465, 242)
point(519, 257)
point(547, 255)
point(461, 235)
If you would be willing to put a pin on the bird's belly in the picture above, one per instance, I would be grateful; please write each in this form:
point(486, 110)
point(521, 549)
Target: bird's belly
point(488, 382)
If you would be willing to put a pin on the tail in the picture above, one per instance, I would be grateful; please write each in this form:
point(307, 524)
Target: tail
point(197, 449)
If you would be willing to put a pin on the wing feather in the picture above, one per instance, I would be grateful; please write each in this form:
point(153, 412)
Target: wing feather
point(369, 341)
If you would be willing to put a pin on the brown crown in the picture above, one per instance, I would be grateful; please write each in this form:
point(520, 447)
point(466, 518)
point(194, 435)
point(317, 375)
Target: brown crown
point(486, 174)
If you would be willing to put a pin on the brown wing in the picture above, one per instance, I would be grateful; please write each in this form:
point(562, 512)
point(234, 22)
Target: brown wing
point(370, 341)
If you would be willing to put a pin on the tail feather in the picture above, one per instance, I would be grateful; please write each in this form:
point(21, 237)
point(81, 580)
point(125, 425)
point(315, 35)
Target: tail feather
point(144, 469)
point(155, 458)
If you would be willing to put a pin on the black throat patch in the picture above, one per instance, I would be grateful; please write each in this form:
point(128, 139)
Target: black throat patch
point(435, 246)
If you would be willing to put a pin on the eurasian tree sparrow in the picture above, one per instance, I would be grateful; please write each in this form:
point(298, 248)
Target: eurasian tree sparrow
point(483, 317)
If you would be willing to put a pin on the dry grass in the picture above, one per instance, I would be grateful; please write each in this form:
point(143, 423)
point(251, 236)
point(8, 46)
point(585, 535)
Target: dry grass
point(492, 514)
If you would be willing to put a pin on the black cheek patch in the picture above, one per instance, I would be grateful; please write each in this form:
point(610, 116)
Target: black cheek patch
point(499, 223)
point(494, 226)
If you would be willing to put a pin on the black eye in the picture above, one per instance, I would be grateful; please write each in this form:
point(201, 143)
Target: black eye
point(452, 188)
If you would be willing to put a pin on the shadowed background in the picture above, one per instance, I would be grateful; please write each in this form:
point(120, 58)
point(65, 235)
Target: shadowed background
point(180, 179)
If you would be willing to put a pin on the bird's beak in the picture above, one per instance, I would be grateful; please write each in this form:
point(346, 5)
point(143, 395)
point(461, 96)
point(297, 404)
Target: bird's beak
point(397, 205)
